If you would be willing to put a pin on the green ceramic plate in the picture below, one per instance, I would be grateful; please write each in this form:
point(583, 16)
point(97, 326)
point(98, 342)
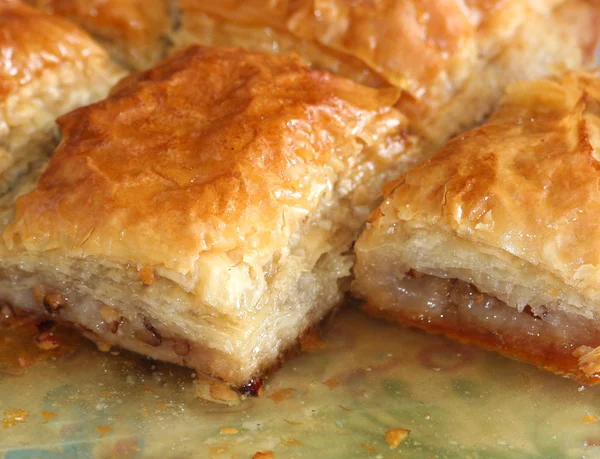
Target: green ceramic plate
point(336, 400)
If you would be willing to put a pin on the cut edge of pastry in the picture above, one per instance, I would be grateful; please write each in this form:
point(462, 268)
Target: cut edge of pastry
point(481, 243)
point(221, 323)
point(414, 288)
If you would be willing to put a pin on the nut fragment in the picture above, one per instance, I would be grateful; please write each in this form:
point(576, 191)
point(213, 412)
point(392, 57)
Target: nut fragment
point(181, 348)
point(148, 335)
point(103, 346)
point(589, 359)
point(223, 392)
point(396, 436)
point(39, 293)
point(146, 275)
point(6, 311)
point(54, 301)
point(46, 341)
point(582, 350)
point(112, 318)
point(215, 391)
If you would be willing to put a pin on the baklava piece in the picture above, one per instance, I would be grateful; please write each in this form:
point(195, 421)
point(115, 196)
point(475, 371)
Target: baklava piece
point(451, 60)
point(48, 67)
point(495, 240)
point(204, 213)
point(135, 32)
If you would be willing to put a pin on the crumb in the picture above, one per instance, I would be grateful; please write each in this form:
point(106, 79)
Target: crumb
point(582, 350)
point(14, 416)
point(368, 447)
point(332, 383)
point(216, 391)
point(263, 455)
point(292, 423)
point(589, 359)
point(103, 346)
point(228, 431)
point(146, 275)
point(103, 430)
point(46, 343)
point(222, 391)
point(47, 416)
point(396, 436)
point(291, 441)
point(281, 395)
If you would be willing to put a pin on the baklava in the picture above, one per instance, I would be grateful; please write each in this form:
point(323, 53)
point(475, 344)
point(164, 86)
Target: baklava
point(48, 67)
point(495, 240)
point(204, 213)
point(135, 32)
point(451, 59)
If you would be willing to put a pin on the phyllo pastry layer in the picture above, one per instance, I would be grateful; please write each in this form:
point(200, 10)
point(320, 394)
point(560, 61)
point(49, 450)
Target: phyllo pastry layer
point(495, 240)
point(48, 66)
point(451, 58)
point(134, 31)
point(204, 213)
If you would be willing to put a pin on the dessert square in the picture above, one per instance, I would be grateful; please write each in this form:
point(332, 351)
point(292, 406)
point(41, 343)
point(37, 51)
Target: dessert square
point(204, 213)
point(494, 240)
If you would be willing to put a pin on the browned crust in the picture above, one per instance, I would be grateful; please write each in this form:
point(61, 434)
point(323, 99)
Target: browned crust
point(195, 155)
point(34, 42)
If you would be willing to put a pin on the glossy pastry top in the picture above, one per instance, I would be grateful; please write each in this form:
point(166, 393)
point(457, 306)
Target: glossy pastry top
point(420, 46)
point(32, 41)
point(213, 149)
point(527, 182)
point(132, 23)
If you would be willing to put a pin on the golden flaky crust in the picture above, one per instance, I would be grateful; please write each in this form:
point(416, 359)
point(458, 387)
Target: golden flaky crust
point(430, 42)
point(134, 30)
point(213, 149)
point(413, 44)
point(32, 42)
point(432, 50)
point(526, 182)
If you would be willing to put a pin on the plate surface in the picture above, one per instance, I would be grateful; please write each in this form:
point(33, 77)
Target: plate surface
point(335, 400)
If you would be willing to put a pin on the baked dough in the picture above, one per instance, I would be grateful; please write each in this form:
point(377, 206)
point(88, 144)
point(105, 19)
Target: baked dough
point(134, 31)
point(580, 18)
point(495, 240)
point(49, 66)
point(450, 59)
point(204, 213)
